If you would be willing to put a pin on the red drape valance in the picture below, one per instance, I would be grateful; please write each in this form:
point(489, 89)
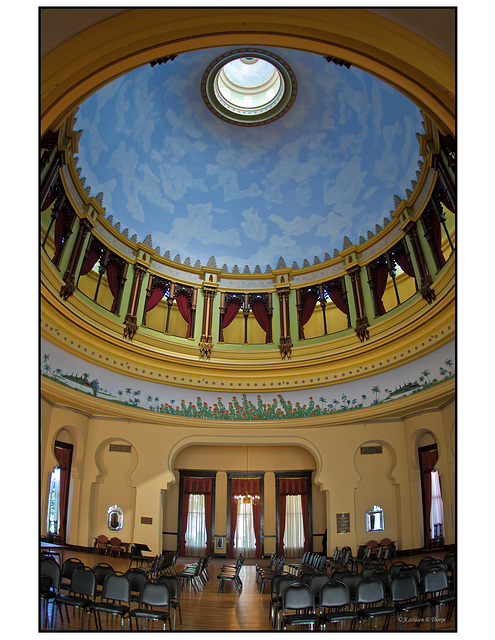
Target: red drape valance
point(59, 234)
point(404, 263)
point(381, 275)
point(155, 297)
point(185, 310)
point(262, 318)
point(310, 300)
point(436, 229)
point(113, 282)
point(338, 299)
point(90, 260)
point(49, 200)
point(230, 313)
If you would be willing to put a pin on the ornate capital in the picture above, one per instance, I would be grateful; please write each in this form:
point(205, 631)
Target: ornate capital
point(205, 347)
point(285, 346)
point(361, 329)
point(131, 326)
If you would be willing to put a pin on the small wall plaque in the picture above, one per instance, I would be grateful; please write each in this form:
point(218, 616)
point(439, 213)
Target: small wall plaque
point(145, 520)
point(343, 522)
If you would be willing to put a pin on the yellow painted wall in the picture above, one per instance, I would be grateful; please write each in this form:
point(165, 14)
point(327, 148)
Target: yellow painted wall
point(146, 485)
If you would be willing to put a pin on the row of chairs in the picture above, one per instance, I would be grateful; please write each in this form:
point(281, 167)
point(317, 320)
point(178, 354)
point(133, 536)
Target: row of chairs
point(196, 574)
point(309, 562)
point(231, 573)
point(116, 592)
point(160, 564)
point(265, 574)
point(318, 599)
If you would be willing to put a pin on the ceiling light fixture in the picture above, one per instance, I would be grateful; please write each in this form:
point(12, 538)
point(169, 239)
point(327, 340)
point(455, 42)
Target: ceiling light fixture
point(247, 498)
point(249, 87)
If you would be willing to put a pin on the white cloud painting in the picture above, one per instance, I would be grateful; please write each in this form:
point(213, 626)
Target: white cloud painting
point(247, 195)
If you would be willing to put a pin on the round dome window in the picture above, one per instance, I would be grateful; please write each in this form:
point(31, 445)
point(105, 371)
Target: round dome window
point(248, 87)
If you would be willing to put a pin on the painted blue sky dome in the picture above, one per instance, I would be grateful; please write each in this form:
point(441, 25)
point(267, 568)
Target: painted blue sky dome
point(203, 187)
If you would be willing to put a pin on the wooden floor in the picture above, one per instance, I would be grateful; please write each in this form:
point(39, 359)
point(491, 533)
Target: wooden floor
point(224, 611)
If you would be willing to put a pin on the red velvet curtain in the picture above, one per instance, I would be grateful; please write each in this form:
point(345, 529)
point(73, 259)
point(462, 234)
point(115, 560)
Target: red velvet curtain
point(185, 310)
point(59, 234)
point(64, 458)
point(381, 275)
point(310, 300)
point(436, 228)
point(338, 299)
point(428, 460)
point(293, 487)
point(113, 282)
point(239, 486)
point(155, 297)
point(404, 263)
point(196, 486)
point(90, 260)
point(230, 313)
point(48, 201)
point(262, 317)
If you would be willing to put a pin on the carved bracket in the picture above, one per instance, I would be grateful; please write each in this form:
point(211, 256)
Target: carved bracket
point(131, 326)
point(427, 290)
point(361, 329)
point(67, 289)
point(205, 348)
point(285, 345)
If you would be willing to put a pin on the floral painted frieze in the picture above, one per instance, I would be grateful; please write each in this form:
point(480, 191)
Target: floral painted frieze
point(423, 373)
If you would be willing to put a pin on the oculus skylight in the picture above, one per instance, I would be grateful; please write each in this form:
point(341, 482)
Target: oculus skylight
point(249, 87)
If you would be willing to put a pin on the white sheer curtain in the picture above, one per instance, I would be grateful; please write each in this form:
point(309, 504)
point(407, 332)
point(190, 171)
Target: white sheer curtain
point(245, 540)
point(196, 526)
point(436, 511)
point(53, 514)
point(294, 529)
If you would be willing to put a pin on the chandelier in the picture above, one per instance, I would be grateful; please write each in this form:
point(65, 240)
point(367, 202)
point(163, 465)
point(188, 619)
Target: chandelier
point(247, 498)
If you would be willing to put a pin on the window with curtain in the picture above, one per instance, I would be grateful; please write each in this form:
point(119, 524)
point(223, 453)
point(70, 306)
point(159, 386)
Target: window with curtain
point(294, 527)
point(436, 511)
point(53, 513)
point(196, 515)
point(245, 539)
point(196, 526)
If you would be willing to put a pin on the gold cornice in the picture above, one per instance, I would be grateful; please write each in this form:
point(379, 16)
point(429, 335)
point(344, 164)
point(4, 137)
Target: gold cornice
point(431, 399)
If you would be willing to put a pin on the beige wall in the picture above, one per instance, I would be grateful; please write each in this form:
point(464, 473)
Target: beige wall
point(145, 481)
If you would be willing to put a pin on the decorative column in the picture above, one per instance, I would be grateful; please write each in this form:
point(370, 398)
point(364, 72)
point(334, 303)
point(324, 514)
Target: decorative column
point(67, 289)
point(285, 345)
point(206, 342)
point(362, 323)
point(425, 278)
point(130, 321)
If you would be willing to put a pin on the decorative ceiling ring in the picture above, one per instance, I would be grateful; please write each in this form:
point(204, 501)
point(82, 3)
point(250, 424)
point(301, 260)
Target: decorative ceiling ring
point(249, 87)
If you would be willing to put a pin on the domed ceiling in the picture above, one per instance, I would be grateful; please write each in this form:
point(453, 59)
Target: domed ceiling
point(202, 187)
